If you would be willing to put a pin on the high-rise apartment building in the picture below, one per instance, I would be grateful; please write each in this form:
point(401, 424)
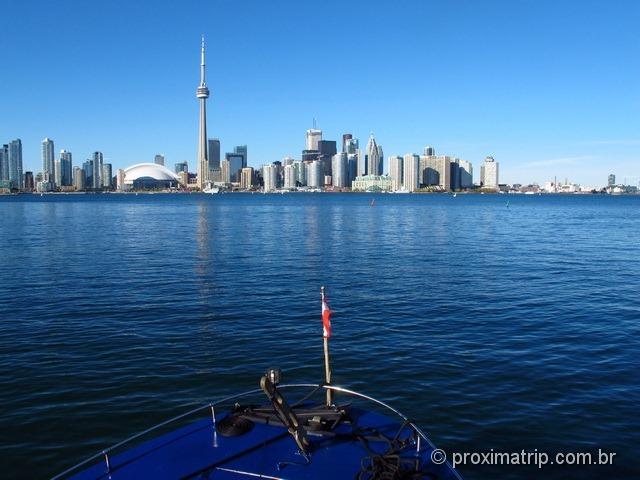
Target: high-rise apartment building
point(97, 164)
point(490, 175)
point(315, 177)
point(64, 168)
point(347, 137)
point(429, 151)
point(107, 173)
point(48, 161)
point(29, 182)
point(225, 171)
point(79, 179)
point(270, 177)
point(159, 159)
point(246, 178)
point(410, 172)
point(4, 163)
point(611, 180)
point(396, 167)
point(289, 176)
point(465, 170)
point(16, 177)
point(301, 173)
point(436, 171)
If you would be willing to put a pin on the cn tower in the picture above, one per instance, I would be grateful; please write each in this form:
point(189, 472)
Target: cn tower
point(202, 93)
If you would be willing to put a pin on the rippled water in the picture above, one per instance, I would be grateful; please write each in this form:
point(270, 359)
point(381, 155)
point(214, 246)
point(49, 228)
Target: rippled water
point(493, 325)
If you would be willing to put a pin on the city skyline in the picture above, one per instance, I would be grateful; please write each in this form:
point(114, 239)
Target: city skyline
point(551, 104)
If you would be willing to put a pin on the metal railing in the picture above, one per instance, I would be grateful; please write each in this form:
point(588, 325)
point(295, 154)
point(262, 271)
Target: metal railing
point(104, 454)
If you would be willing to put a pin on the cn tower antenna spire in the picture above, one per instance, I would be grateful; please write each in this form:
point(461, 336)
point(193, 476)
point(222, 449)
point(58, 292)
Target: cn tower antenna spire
point(202, 76)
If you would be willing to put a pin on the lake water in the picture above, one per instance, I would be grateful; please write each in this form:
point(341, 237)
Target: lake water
point(495, 325)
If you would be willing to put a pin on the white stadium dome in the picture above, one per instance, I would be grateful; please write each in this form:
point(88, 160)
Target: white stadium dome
point(148, 170)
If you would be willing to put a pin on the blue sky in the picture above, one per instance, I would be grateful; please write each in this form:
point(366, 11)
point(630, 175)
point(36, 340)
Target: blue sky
point(546, 87)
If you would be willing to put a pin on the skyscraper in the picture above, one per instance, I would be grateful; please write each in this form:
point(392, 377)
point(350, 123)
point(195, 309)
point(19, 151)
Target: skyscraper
point(29, 183)
point(181, 167)
point(235, 166)
point(490, 169)
point(374, 162)
point(214, 153)
point(410, 176)
point(79, 179)
point(312, 138)
point(270, 176)
point(314, 174)
point(466, 174)
point(289, 176)
point(346, 138)
point(87, 168)
point(107, 173)
point(4, 163)
point(327, 149)
point(64, 169)
point(429, 151)
point(351, 145)
point(340, 170)
point(48, 161)
point(159, 160)
point(96, 170)
point(202, 93)
point(246, 178)
point(241, 150)
point(352, 167)
point(15, 164)
point(611, 181)
point(396, 165)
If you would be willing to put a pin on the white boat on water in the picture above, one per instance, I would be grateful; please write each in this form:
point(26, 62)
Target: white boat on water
point(211, 189)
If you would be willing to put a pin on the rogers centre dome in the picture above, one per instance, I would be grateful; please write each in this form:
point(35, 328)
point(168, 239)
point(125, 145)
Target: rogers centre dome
point(149, 175)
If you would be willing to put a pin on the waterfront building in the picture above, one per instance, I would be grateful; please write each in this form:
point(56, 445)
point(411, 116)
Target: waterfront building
point(79, 179)
point(4, 163)
point(29, 183)
point(225, 171)
point(87, 167)
point(107, 174)
point(120, 186)
point(246, 178)
point(185, 179)
point(301, 173)
point(159, 159)
point(313, 137)
point(611, 180)
point(465, 170)
point(181, 167)
point(315, 177)
point(241, 150)
point(396, 167)
point(48, 161)
point(213, 153)
point(270, 177)
point(429, 151)
point(340, 170)
point(287, 161)
point(410, 172)
point(236, 164)
point(16, 177)
point(202, 93)
point(435, 170)
point(289, 176)
point(489, 173)
point(372, 183)
point(454, 174)
point(97, 164)
point(373, 157)
point(361, 169)
point(63, 169)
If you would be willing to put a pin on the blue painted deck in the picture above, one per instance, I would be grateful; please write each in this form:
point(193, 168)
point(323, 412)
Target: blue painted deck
point(267, 451)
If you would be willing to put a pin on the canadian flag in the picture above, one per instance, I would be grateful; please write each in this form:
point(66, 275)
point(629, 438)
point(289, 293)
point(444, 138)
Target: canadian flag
point(326, 319)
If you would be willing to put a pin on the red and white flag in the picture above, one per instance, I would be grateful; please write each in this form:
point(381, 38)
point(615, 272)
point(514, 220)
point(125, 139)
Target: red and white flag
point(326, 319)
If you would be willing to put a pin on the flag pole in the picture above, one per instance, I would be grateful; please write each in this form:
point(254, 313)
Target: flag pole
point(327, 366)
